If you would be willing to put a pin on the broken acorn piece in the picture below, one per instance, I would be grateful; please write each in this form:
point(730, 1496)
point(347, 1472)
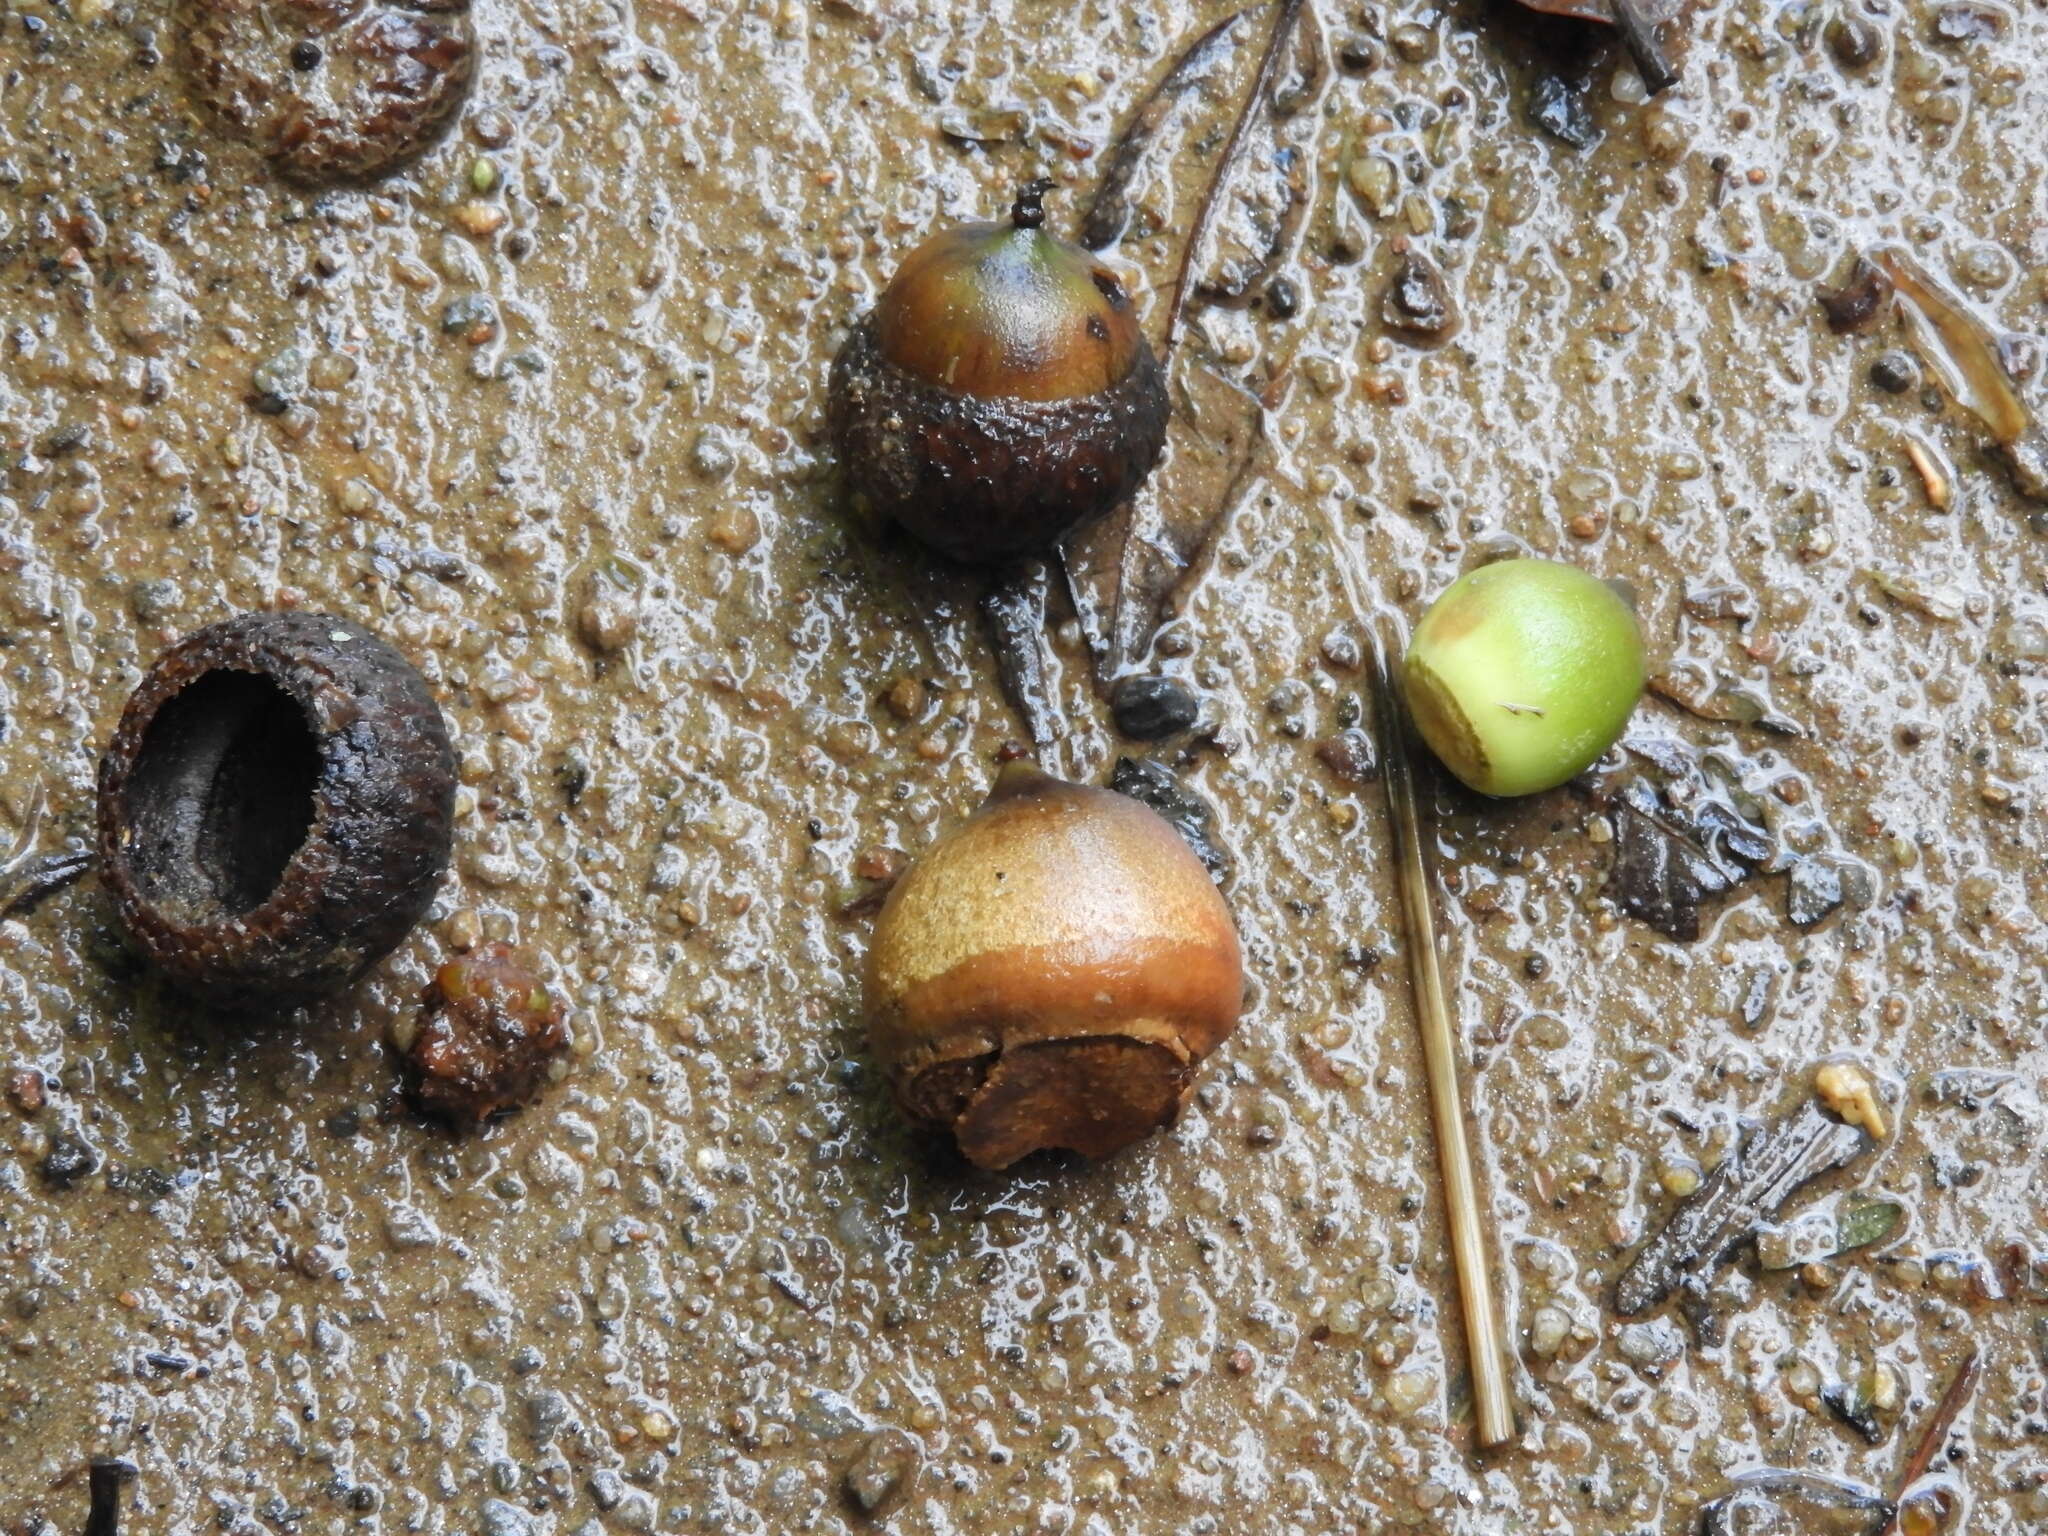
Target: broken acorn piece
point(490, 1039)
point(1051, 973)
point(1522, 673)
point(1000, 393)
point(275, 808)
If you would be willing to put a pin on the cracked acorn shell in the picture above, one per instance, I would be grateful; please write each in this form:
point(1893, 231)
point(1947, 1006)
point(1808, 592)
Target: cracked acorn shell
point(276, 808)
point(1051, 974)
point(1000, 393)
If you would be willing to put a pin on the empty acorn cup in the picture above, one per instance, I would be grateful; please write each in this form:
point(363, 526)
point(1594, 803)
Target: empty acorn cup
point(275, 807)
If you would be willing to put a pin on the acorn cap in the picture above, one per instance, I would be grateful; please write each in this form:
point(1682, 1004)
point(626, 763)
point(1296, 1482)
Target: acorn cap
point(276, 807)
point(1007, 311)
point(1051, 973)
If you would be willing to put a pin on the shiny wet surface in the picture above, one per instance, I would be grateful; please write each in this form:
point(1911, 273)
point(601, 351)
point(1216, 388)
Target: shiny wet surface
point(547, 413)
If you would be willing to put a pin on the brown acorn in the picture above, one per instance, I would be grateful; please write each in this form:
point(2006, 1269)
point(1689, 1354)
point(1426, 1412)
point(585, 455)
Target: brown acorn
point(1000, 393)
point(1051, 973)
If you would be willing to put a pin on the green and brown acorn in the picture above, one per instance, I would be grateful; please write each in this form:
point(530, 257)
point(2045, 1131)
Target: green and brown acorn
point(1000, 393)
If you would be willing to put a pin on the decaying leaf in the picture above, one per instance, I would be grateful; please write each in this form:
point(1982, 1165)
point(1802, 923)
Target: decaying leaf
point(1861, 1223)
point(28, 878)
point(1014, 607)
point(1755, 1500)
point(1255, 195)
point(1670, 858)
point(1154, 784)
point(1126, 572)
point(1154, 133)
point(1749, 1186)
point(1706, 695)
point(1942, 604)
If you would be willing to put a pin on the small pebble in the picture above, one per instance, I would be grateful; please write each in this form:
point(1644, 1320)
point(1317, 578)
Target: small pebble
point(1895, 372)
point(69, 1159)
point(906, 698)
point(1148, 708)
point(711, 454)
point(1854, 39)
point(883, 1471)
point(735, 530)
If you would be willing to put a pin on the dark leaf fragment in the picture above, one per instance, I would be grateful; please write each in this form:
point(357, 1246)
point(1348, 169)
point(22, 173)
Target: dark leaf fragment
point(1144, 141)
point(27, 885)
point(1749, 1186)
point(1668, 858)
point(1850, 1407)
point(1563, 109)
point(1154, 784)
point(1855, 307)
point(1014, 606)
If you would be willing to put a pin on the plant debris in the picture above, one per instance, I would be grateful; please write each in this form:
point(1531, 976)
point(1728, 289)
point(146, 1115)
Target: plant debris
point(1763, 1488)
point(1971, 362)
point(1635, 20)
point(1013, 605)
point(27, 879)
point(1144, 141)
point(1769, 1166)
point(1865, 1223)
point(1706, 695)
point(1850, 1407)
point(1859, 302)
point(1126, 571)
point(1130, 570)
point(1944, 605)
point(1670, 858)
point(1935, 1437)
point(1154, 784)
point(104, 1477)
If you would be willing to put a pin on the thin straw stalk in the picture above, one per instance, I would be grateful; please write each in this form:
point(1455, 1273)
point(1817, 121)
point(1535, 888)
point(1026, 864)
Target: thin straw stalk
point(1485, 1338)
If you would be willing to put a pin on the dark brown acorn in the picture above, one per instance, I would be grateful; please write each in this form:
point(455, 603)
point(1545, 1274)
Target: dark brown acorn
point(1051, 973)
point(276, 807)
point(1000, 393)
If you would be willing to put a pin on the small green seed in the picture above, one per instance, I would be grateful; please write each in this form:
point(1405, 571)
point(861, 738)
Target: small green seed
point(1523, 673)
point(483, 173)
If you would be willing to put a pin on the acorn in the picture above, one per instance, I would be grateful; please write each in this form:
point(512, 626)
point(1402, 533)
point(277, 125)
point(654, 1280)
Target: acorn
point(1051, 974)
point(1000, 393)
point(1522, 673)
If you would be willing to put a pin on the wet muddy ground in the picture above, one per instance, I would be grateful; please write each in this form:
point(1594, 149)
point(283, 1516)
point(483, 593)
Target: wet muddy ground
point(546, 411)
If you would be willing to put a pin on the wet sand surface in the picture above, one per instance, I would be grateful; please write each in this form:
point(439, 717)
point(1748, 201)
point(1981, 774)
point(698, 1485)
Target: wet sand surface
point(546, 411)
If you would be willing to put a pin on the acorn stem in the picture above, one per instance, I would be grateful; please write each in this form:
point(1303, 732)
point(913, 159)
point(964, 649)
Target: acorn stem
point(1028, 212)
